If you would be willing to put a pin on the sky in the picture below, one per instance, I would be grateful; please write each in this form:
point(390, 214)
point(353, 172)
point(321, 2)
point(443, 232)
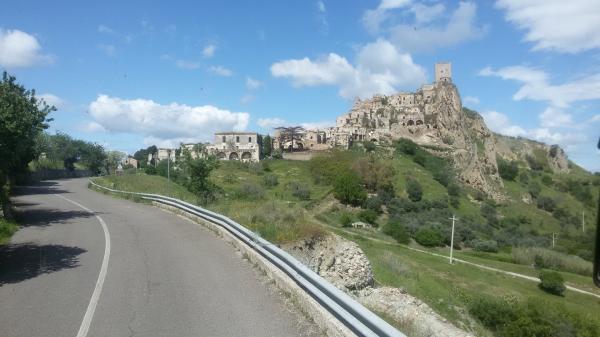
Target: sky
point(129, 74)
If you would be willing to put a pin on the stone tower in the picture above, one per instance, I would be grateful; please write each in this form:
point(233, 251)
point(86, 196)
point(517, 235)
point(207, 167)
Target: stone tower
point(443, 72)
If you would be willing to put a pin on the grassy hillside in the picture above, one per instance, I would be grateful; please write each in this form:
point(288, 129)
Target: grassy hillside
point(288, 200)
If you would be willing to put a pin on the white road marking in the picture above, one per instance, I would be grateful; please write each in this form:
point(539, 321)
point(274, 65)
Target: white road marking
point(89, 313)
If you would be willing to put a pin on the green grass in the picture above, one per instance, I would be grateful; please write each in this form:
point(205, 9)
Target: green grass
point(7, 229)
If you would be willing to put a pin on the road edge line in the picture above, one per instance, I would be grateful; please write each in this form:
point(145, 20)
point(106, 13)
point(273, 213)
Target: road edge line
point(89, 313)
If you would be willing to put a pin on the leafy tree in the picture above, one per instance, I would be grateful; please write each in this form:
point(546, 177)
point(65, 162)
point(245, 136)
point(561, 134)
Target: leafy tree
point(488, 211)
point(374, 173)
point(290, 134)
point(414, 189)
point(369, 146)
point(199, 171)
point(429, 237)
point(406, 146)
point(453, 190)
point(546, 203)
point(93, 156)
point(395, 229)
point(346, 219)
point(22, 119)
point(534, 189)
point(368, 216)
point(113, 158)
point(507, 170)
point(348, 189)
point(266, 146)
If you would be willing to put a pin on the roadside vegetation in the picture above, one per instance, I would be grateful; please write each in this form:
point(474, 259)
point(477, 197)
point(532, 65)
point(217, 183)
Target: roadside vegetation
point(406, 196)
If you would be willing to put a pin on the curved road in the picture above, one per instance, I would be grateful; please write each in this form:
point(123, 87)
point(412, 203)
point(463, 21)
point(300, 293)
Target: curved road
point(163, 275)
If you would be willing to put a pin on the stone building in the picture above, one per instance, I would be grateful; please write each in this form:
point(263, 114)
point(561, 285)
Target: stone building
point(383, 118)
point(242, 146)
point(129, 160)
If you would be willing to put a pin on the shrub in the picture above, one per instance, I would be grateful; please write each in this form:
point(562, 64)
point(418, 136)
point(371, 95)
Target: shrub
point(534, 189)
point(488, 211)
point(346, 219)
point(368, 216)
point(229, 178)
point(420, 159)
point(348, 190)
point(251, 191)
point(453, 190)
point(414, 189)
point(256, 168)
point(546, 203)
point(299, 190)
point(507, 170)
point(277, 154)
point(369, 146)
point(448, 140)
point(547, 180)
point(374, 204)
point(489, 246)
point(396, 230)
point(406, 146)
point(552, 282)
point(546, 258)
point(429, 237)
point(374, 173)
point(150, 170)
point(270, 180)
point(454, 201)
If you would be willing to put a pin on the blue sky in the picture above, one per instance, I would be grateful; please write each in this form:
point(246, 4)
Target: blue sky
point(132, 74)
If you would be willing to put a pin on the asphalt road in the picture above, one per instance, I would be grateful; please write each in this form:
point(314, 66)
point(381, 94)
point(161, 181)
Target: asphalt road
point(163, 275)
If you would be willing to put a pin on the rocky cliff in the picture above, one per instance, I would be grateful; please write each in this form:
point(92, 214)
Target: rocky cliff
point(434, 117)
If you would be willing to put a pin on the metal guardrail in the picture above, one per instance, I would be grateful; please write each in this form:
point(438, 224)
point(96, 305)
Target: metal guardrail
point(352, 314)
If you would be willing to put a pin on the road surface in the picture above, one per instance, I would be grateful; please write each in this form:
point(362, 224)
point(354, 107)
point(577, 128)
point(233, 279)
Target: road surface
point(127, 269)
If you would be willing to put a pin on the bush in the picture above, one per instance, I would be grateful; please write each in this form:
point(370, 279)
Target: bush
point(229, 178)
point(270, 180)
point(489, 246)
point(488, 211)
point(547, 180)
point(369, 146)
point(368, 215)
point(552, 282)
point(546, 258)
point(374, 204)
point(507, 170)
point(251, 191)
point(406, 146)
point(429, 237)
point(546, 203)
point(414, 190)
point(453, 190)
point(299, 190)
point(534, 189)
point(150, 170)
point(348, 190)
point(396, 230)
point(346, 219)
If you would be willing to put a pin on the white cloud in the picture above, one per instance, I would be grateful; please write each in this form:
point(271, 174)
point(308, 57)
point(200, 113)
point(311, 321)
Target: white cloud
point(380, 68)
point(51, 99)
point(270, 123)
point(164, 123)
point(424, 35)
point(471, 100)
point(183, 64)
point(107, 49)
point(373, 18)
point(247, 98)
point(555, 118)
point(220, 71)
point(253, 84)
point(107, 30)
point(19, 49)
point(321, 6)
point(209, 51)
point(595, 119)
point(565, 26)
point(500, 123)
point(92, 127)
point(317, 125)
point(536, 86)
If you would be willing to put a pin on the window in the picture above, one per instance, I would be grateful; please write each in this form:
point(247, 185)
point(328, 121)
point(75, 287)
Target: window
point(249, 139)
point(237, 139)
point(223, 139)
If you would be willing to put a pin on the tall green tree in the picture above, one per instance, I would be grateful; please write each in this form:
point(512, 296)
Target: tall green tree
point(290, 134)
point(22, 118)
point(266, 146)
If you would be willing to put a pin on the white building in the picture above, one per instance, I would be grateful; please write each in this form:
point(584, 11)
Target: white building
point(241, 146)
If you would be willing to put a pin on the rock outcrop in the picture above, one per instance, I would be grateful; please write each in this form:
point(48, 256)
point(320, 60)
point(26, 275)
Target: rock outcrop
point(345, 265)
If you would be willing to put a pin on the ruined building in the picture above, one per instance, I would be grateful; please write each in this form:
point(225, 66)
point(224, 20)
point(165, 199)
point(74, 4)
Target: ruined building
point(242, 146)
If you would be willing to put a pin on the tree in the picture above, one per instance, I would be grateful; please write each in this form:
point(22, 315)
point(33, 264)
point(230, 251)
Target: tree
point(22, 119)
point(199, 171)
point(552, 282)
point(507, 170)
point(113, 158)
point(429, 237)
point(374, 173)
point(290, 134)
point(414, 189)
point(395, 229)
point(266, 146)
point(348, 189)
point(93, 156)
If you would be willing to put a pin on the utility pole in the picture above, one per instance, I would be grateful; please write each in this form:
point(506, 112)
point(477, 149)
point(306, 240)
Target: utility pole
point(169, 165)
point(583, 221)
point(554, 236)
point(452, 237)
